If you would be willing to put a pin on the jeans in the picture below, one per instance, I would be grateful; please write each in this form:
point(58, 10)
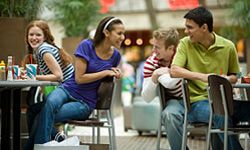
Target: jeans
point(172, 119)
point(173, 115)
point(31, 114)
point(33, 108)
point(32, 111)
point(59, 107)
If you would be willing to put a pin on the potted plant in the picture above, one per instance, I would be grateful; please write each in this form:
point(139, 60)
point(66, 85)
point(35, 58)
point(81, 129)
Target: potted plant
point(239, 32)
point(241, 15)
point(77, 17)
point(27, 9)
point(14, 16)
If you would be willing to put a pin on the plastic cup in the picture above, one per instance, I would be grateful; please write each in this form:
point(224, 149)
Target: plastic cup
point(31, 71)
point(17, 72)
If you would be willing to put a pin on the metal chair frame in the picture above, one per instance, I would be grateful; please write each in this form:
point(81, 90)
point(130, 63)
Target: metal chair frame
point(104, 102)
point(220, 93)
point(161, 93)
point(187, 126)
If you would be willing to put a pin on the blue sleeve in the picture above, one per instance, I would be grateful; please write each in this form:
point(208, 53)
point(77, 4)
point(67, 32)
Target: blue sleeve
point(117, 58)
point(82, 50)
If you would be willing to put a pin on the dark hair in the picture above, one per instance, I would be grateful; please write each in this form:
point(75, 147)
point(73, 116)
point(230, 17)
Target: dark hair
point(99, 35)
point(201, 15)
point(65, 57)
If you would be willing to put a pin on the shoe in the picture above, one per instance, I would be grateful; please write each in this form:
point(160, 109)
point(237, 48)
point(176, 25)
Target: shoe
point(60, 136)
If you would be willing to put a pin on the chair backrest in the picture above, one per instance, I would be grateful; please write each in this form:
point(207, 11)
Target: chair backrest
point(215, 82)
point(105, 93)
point(162, 96)
point(185, 94)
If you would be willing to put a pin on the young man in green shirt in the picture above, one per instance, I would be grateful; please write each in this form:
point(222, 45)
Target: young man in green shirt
point(198, 55)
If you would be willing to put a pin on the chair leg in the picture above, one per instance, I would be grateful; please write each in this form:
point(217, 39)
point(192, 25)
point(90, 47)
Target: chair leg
point(184, 134)
point(246, 139)
point(65, 129)
point(210, 119)
point(93, 135)
point(209, 133)
point(225, 133)
point(208, 139)
point(110, 132)
point(114, 147)
point(158, 146)
point(225, 140)
point(184, 139)
point(98, 128)
point(111, 138)
point(98, 135)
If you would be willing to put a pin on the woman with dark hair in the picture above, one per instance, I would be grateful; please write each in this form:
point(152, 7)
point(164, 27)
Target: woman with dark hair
point(77, 97)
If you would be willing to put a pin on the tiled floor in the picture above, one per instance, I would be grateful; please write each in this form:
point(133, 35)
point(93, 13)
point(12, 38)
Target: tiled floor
point(145, 142)
point(131, 140)
point(119, 129)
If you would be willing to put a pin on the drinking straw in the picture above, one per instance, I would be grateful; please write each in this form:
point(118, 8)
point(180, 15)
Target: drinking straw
point(221, 71)
point(13, 60)
point(30, 58)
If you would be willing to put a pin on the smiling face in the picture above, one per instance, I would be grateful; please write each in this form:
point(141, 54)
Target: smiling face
point(163, 53)
point(35, 37)
point(116, 36)
point(194, 31)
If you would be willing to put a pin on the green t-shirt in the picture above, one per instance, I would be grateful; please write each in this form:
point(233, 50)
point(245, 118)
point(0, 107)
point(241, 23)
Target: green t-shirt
point(219, 58)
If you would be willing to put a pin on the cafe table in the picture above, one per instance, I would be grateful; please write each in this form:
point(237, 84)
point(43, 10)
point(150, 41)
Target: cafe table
point(10, 98)
point(243, 87)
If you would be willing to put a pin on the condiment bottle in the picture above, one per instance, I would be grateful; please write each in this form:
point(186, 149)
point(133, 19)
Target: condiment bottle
point(2, 70)
point(10, 71)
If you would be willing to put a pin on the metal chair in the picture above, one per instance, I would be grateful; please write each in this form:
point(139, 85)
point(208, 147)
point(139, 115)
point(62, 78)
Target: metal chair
point(220, 92)
point(105, 98)
point(188, 126)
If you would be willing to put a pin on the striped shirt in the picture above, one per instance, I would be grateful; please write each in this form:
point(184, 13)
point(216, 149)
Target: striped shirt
point(44, 70)
point(150, 65)
point(172, 85)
